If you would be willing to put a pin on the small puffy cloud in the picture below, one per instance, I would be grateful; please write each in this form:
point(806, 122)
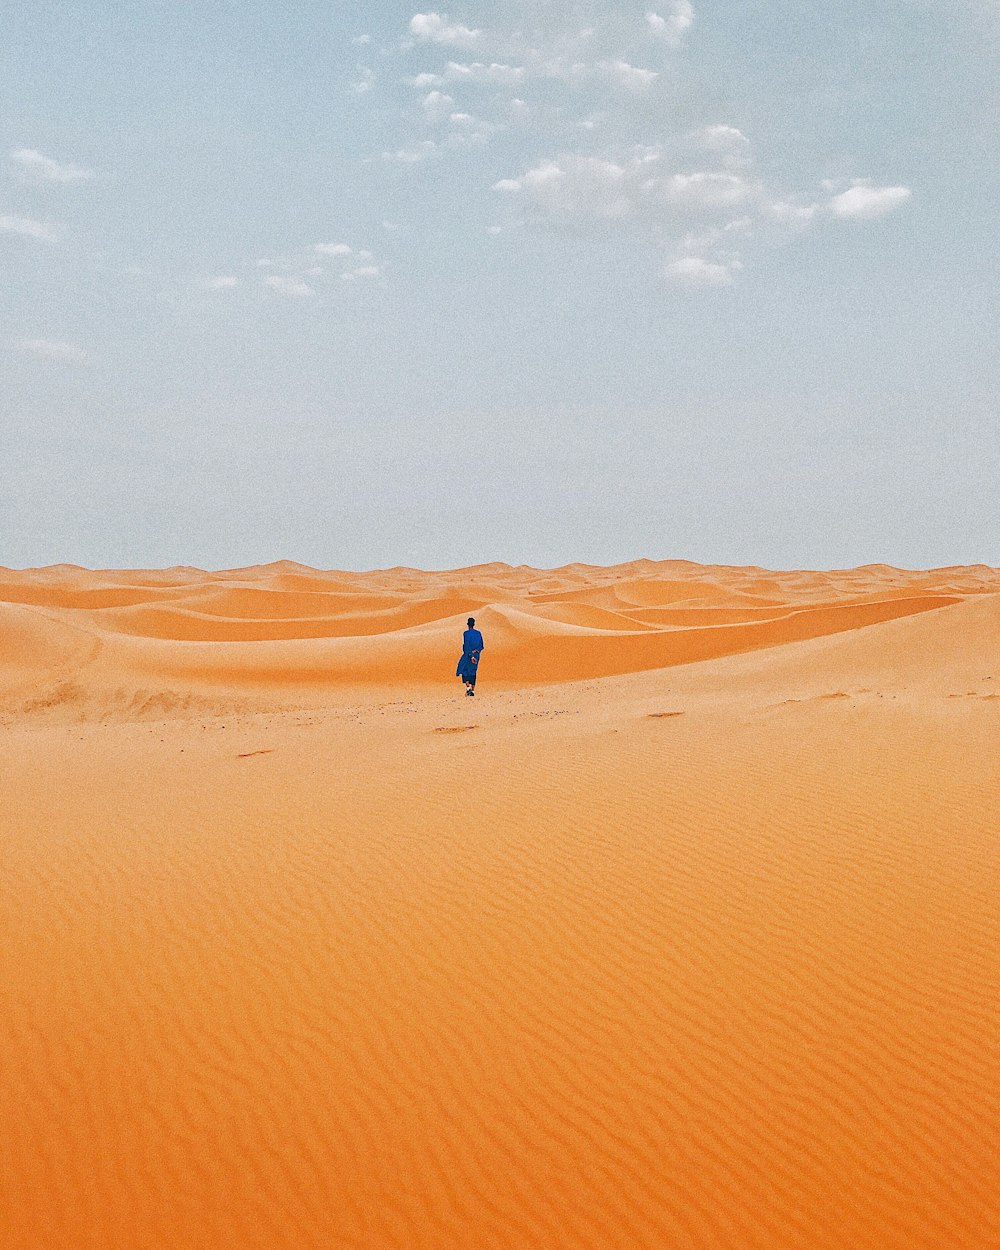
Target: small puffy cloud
point(224, 282)
point(436, 104)
point(863, 200)
point(435, 28)
point(34, 167)
point(574, 190)
point(333, 249)
point(295, 288)
point(616, 73)
point(703, 192)
point(697, 271)
point(28, 228)
point(671, 29)
point(361, 273)
point(495, 73)
point(359, 41)
point(478, 71)
point(731, 144)
point(46, 349)
point(629, 77)
point(786, 213)
point(412, 156)
point(363, 83)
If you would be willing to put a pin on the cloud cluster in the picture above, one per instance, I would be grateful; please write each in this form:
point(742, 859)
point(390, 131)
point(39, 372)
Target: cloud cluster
point(317, 268)
point(591, 69)
point(701, 214)
point(466, 102)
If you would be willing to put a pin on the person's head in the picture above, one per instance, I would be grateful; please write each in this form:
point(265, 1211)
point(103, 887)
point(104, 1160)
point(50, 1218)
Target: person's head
point(472, 621)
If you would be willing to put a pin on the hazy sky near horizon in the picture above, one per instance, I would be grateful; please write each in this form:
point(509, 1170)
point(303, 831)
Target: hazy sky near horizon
point(540, 282)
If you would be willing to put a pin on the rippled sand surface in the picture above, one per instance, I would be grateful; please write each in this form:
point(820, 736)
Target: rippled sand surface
point(684, 933)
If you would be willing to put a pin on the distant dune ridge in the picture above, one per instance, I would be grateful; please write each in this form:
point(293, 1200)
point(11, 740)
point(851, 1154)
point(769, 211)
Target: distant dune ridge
point(101, 637)
point(684, 933)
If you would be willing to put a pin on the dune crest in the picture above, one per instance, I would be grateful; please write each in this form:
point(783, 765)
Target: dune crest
point(188, 633)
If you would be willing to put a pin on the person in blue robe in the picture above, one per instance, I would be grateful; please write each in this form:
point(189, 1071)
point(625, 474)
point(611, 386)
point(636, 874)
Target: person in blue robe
point(468, 664)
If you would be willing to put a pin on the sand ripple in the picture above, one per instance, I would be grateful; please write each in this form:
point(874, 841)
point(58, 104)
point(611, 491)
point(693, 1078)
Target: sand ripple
point(704, 956)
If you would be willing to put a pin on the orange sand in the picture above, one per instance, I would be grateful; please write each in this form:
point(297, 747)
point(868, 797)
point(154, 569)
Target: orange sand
point(685, 933)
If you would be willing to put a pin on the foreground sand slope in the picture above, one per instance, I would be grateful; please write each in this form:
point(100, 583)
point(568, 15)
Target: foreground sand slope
point(696, 956)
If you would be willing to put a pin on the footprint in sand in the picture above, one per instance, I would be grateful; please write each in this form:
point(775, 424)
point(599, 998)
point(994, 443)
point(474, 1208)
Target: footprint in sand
point(454, 729)
point(247, 754)
point(661, 715)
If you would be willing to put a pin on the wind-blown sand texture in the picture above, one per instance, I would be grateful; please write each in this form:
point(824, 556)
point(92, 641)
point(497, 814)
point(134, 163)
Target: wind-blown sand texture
point(684, 933)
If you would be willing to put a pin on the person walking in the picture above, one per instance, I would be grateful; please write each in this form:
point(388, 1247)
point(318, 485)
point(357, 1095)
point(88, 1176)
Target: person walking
point(468, 665)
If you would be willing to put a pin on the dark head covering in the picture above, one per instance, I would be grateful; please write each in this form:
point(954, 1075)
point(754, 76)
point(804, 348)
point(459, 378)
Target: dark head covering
point(472, 621)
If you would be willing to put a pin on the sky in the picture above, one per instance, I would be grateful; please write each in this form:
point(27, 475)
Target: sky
point(375, 285)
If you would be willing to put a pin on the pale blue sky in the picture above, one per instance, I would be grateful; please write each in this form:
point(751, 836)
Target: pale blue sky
point(374, 285)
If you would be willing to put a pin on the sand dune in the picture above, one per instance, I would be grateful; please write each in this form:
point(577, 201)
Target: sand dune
point(684, 933)
point(282, 624)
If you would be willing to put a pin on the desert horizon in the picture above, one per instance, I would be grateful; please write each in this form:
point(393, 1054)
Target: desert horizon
point(683, 932)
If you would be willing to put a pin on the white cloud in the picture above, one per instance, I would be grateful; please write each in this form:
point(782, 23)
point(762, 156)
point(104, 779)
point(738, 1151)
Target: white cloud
point(672, 28)
point(360, 40)
point(495, 72)
point(363, 83)
point(224, 282)
point(703, 192)
point(864, 200)
point(731, 144)
point(790, 214)
point(702, 215)
point(361, 273)
point(575, 189)
point(412, 156)
point(436, 104)
point(696, 271)
point(622, 74)
point(28, 228)
point(435, 28)
point(35, 167)
point(45, 349)
point(293, 287)
point(333, 249)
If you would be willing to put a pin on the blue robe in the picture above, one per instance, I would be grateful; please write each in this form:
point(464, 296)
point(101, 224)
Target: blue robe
point(472, 644)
